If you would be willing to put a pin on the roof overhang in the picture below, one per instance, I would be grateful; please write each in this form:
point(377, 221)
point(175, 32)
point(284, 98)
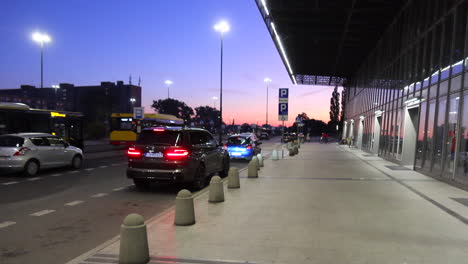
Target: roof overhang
point(323, 42)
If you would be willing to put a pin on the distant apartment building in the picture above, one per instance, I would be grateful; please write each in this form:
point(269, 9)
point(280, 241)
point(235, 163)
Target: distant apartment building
point(96, 102)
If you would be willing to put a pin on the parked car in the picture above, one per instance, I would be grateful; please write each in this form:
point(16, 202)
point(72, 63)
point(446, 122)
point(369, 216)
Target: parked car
point(30, 152)
point(243, 146)
point(264, 135)
point(176, 155)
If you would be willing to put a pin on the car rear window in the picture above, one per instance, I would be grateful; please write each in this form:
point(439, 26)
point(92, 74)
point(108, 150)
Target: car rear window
point(166, 138)
point(11, 141)
point(238, 141)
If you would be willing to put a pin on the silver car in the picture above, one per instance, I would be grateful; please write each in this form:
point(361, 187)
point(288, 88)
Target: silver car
point(30, 152)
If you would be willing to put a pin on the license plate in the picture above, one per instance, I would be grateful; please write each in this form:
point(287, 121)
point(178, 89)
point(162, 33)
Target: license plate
point(236, 153)
point(154, 155)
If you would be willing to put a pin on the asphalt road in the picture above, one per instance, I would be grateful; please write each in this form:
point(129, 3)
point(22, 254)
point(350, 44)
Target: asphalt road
point(60, 214)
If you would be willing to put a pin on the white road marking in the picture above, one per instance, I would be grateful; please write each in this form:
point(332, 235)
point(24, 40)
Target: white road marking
point(74, 171)
point(103, 166)
point(6, 224)
point(34, 179)
point(89, 169)
point(77, 202)
point(10, 183)
point(43, 212)
point(97, 195)
point(56, 175)
point(118, 189)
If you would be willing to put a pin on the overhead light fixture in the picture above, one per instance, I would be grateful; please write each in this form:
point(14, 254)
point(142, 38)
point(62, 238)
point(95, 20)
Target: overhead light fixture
point(283, 52)
point(458, 63)
point(446, 68)
point(361, 117)
point(265, 7)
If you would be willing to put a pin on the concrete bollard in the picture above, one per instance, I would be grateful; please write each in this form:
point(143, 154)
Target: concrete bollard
point(133, 241)
point(274, 155)
point(260, 160)
point(252, 169)
point(216, 190)
point(184, 211)
point(233, 178)
point(255, 159)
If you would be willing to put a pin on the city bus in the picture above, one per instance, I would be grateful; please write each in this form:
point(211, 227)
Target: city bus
point(20, 118)
point(124, 126)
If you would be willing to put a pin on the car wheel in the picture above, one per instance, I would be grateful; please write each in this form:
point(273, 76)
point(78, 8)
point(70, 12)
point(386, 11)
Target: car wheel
point(199, 182)
point(77, 161)
point(141, 185)
point(31, 168)
point(226, 165)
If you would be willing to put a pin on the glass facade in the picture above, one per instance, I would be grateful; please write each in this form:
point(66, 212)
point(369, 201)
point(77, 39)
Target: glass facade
point(420, 66)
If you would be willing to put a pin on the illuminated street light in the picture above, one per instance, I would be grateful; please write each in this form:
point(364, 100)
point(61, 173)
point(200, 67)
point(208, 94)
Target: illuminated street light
point(214, 98)
point(41, 38)
point(221, 27)
point(168, 83)
point(267, 81)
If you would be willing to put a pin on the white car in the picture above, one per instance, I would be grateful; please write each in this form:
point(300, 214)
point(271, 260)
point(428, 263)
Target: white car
point(30, 152)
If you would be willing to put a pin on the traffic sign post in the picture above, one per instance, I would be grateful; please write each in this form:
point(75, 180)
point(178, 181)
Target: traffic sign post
point(283, 100)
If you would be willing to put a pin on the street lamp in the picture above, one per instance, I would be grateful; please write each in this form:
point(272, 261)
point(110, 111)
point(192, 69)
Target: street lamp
point(132, 100)
point(267, 81)
point(168, 83)
point(214, 98)
point(221, 27)
point(41, 38)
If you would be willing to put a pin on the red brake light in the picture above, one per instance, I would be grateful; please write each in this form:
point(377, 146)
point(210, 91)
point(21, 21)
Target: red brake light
point(21, 151)
point(225, 146)
point(176, 154)
point(249, 146)
point(158, 129)
point(133, 152)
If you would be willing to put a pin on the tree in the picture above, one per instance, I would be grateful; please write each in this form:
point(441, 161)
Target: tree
point(335, 107)
point(173, 107)
point(245, 128)
point(303, 116)
point(343, 106)
point(209, 116)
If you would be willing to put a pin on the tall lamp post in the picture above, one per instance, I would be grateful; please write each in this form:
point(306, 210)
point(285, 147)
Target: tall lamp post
point(168, 83)
point(222, 27)
point(41, 38)
point(267, 81)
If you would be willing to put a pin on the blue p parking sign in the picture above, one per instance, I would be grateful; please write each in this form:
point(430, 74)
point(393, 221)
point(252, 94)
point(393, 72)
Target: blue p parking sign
point(283, 99)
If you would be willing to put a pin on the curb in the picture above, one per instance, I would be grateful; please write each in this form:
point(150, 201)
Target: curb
point(151, 221)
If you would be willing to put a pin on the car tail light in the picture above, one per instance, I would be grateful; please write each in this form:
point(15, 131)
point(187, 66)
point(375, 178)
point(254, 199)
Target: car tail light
point(176, 153)
point(134, 152)
point(158, 129)
point(21, 151)
point(249, 146)
point(225, 146)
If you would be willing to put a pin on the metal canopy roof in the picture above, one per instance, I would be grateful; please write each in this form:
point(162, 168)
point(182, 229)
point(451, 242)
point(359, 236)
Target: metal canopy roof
point(325, 41)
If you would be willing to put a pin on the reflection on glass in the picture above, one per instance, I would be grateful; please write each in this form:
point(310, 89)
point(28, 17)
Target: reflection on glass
point(421, 135)
point(429, 137)
point(451, 133)
point(462, 171)
point(439, 136)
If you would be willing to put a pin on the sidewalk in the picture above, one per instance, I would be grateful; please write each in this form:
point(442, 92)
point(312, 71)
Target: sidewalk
point(329, 204)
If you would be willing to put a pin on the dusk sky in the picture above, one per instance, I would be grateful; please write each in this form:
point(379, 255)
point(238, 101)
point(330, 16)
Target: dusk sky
point(104, 40)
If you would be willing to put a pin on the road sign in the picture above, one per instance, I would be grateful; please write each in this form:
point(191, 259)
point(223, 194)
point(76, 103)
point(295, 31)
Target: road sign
point(283, 99)
point(283, 95)
point(138, 112)
point(283, 111)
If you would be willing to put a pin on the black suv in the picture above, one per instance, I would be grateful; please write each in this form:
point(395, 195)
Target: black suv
point(176, 154)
